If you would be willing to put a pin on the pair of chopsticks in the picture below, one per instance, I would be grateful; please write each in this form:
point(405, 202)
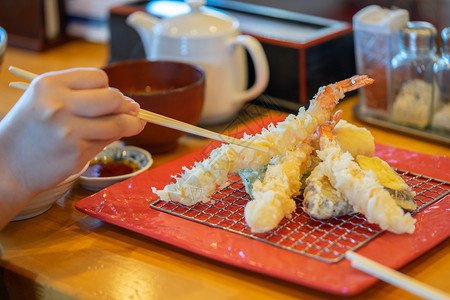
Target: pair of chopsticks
point(154, 118)
point(394, 277)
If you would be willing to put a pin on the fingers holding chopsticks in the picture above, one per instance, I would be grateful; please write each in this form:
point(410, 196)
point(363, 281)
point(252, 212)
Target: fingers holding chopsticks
point(80, 104)
point(65, 118)
point(89, 85)
point(95, 112)
point(131, 108)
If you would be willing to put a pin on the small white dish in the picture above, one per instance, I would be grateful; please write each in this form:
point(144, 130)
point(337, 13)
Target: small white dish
point(135, 155)
point(44, 200)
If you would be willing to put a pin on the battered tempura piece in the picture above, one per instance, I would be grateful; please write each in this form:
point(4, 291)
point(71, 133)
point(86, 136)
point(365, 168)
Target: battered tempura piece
point(356, 140)
point(360, 188)
point(390, 180)
point(273, 198)
point(249, 176)
point(321, 200)
point(197, 184)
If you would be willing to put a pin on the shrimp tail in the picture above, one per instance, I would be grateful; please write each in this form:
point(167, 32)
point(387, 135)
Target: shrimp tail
point(355, 82)
point(326, 128)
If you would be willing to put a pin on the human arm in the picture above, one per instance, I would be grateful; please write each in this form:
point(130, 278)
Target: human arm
point(61, 121)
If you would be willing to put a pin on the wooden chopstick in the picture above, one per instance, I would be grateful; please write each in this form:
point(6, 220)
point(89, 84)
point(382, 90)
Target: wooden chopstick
point(155, 118)
point(22, 73)
point(19, 85)
point(394, 277)
point(178, 125)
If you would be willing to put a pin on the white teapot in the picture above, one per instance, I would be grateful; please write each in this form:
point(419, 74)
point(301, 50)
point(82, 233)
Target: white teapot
point(212, 40)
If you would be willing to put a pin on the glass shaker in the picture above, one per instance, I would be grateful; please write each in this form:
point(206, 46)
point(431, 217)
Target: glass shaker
point(375, 46)
point(413, 81)
point(441, 115)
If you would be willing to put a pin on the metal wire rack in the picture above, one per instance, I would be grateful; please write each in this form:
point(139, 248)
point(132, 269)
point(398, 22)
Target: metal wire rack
point(325, 240)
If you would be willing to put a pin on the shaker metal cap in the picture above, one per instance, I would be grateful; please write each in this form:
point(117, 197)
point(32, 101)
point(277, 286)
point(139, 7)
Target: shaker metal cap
point(418, 36)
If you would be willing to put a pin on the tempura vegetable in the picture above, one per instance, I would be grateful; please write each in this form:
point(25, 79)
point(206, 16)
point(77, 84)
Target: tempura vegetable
point(321, 200)
point(393, 183)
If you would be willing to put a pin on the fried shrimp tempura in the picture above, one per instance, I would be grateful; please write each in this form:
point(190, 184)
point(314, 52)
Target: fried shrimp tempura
point(360, 188)
point(197, 184)
point(273, 198)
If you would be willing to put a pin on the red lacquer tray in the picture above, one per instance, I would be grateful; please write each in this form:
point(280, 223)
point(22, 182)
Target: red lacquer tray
point(128, 205)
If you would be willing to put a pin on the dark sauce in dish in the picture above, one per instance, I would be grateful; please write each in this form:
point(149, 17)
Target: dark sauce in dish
point(110, 168)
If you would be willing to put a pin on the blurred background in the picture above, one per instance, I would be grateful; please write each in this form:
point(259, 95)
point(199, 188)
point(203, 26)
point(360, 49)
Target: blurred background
point(321, 51)
point(38, 24)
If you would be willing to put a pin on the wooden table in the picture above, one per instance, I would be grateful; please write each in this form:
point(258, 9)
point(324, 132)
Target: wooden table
point(64, 254)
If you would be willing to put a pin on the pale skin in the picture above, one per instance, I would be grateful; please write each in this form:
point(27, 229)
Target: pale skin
point(61, 121)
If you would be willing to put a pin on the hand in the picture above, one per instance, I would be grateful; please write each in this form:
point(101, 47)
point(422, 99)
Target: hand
point(62, 121)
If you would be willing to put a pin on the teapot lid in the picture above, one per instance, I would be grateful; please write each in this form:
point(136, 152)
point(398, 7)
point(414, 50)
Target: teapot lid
point(201, 21)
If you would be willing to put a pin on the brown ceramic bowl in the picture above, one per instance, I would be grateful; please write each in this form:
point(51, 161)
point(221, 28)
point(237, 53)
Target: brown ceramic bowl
point(172, 89)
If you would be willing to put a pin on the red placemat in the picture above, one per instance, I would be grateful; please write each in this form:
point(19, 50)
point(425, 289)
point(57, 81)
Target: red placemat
point(127, 204)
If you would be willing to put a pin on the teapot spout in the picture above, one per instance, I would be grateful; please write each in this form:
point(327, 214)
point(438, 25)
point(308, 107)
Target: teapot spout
point(143, 23)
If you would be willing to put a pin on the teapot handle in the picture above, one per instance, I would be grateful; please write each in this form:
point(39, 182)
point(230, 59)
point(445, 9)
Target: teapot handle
point(258, 56)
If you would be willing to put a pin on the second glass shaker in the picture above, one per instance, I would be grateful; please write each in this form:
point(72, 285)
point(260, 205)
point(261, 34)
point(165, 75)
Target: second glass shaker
point(413, 82)
point(441, 115)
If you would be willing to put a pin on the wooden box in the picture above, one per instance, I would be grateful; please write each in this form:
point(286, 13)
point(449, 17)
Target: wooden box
point(33, 24)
